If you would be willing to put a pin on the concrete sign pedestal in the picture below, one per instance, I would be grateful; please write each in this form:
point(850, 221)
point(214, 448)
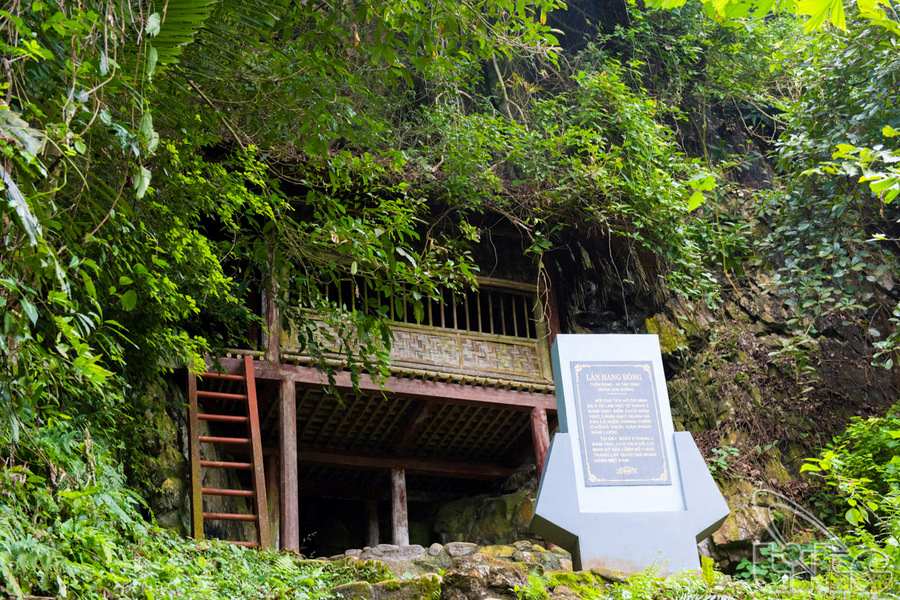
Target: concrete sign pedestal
point(621, 490)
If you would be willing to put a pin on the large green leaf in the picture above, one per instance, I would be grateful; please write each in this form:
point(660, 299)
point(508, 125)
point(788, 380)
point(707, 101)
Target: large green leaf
point(179, 25)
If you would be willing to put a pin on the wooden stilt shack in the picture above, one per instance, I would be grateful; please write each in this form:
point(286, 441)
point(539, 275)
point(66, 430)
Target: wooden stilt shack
point(470, 388)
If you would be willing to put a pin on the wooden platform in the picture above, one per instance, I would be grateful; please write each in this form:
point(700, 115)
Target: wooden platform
point(435, 431)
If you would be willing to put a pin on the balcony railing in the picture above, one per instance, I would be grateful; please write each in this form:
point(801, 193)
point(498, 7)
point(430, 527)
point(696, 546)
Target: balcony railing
point(495, 335)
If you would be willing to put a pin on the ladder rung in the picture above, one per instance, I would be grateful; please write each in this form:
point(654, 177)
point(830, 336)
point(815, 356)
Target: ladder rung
point(244, 544)
point(224, 464)
point(220, 395)
point(225, 376)
point(213, 439)
point(227, 492)
point(222, 418)
point(216, 516)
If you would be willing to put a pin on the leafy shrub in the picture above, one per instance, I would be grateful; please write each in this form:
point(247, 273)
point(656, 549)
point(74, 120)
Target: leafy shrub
point(862, 468)
point(827, 230)
point(860, 471)
point(593, 159)
point(70, 527)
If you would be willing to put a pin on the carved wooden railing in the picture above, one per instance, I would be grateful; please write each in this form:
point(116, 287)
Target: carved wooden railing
point(496, 335)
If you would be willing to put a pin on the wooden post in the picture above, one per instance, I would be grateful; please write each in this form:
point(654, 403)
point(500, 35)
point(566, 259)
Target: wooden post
point(399, 516)
point(290, 487)
point(374, 535)
point(259, 471)
point(194, 440)
point(273, 497)
point(540, 437)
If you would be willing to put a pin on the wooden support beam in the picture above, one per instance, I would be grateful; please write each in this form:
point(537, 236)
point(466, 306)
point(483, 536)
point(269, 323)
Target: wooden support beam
point(410, 430)
point(354, 491)
point(373, 533)
point(399, 515)
point(259, 471)
point(290, 489)
point(463, 470)
point(540, 437)
point(404, 386)
point(273, 496)
point(193, 437)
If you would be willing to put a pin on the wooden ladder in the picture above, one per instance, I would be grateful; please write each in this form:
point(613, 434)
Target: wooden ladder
point(253, 443)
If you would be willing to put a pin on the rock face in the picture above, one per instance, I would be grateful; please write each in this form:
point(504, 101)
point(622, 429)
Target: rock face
point(487, 519)
point(746, 524)
point(164, 466)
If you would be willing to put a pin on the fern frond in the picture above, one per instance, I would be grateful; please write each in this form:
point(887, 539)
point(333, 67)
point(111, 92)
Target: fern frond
point(181, 21)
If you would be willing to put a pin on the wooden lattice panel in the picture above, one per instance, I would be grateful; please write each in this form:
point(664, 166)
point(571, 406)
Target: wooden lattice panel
point(442, 351)
point(496, 335)
point(468, 432)
point(350, 422)
point(374, 423)
point(489, 356)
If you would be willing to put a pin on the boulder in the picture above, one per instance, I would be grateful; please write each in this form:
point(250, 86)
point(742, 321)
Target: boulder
point(457, 549)
point(402, 561)
point(427, 587)
point(357, 590)
point(745, 524)
point(486, 562)
point(562, 592)
point(483, 580)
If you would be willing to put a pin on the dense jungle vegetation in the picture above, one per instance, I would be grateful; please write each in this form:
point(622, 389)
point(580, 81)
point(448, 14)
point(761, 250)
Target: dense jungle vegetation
point(161, 158)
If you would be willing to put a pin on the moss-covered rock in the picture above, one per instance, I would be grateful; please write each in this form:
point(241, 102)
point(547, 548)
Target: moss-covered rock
point(671, 338)
point(427, 587)
point(486, 519)
point(357, 590)
point(746, 523)
point(500, 551)
point(161, 468)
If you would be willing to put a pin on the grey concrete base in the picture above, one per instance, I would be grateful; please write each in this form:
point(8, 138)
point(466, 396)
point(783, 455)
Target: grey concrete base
point(628, 542)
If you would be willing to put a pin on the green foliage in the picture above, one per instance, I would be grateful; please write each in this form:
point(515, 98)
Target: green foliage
point(589, 585)
point(163, 162)
point(862, 465)
point(592, 159)
point(860, 473)
point(721, 87)
point(774, 562)
point(134, 236)
point(70, 528)
point(829, 236)
point(702, 72)
point(534, 589)
point(817, 12)
point(175, 28)
point(720, 462)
